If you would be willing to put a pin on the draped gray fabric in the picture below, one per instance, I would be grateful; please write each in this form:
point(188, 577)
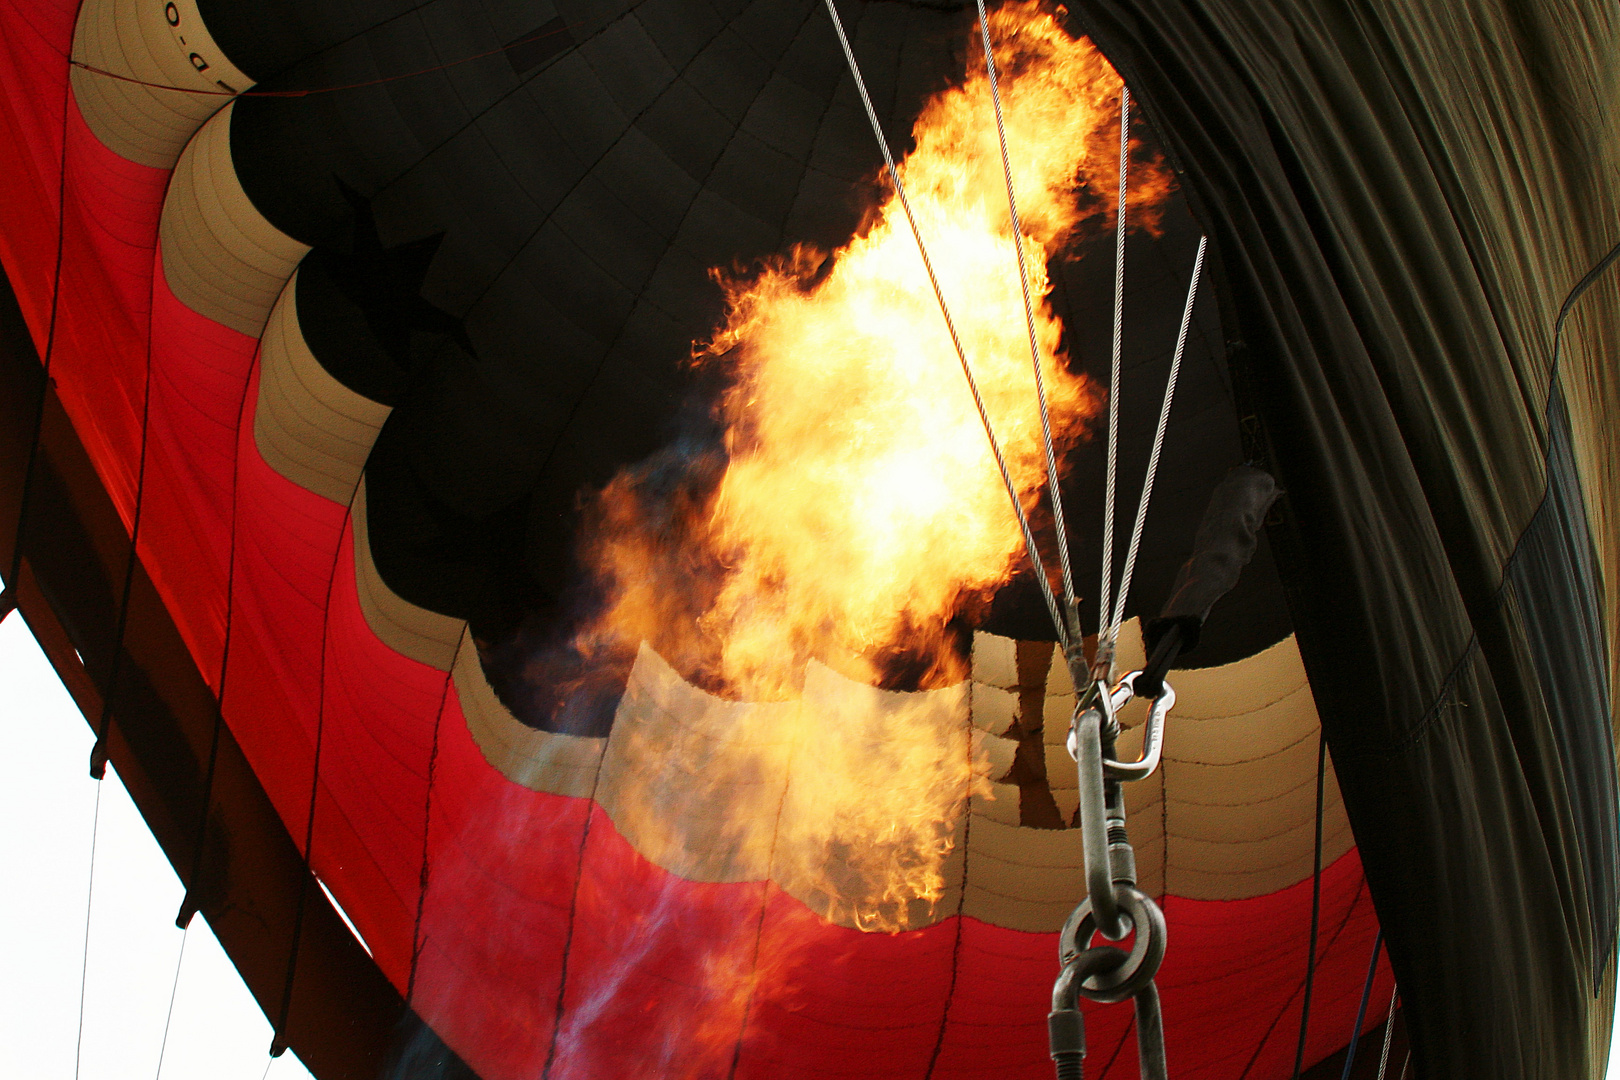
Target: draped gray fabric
point(1400, 196)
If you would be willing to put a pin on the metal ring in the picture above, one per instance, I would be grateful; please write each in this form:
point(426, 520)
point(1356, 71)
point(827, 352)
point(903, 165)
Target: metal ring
point(1147, 951)
point(1081, 966)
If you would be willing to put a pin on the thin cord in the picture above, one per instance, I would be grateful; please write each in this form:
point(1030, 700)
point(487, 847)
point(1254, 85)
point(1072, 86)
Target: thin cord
point(1389, 1035)
point(1058, 622)
point(1153, 458)
point(1316, 908)
point(1114, 377)
point(89, 903)
point(174, 990)
point(1029, 320)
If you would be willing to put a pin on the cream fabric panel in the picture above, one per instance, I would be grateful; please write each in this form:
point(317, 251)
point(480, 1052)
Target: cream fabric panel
point(728, 791)
point(221, 257)
point(148, 41)
point(1023, 879)
point(538, 760)
point(310, 428)
point(1239, 766)
point(695, 782)
point(422, 635)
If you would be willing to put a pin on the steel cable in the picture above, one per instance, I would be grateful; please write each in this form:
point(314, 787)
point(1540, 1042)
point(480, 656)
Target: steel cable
point(174, 992)
point(1153, 458)
point(1029, 319)
point(1389, 1034)
point(1058, 622)
point(89, 906)
point(1104, 592)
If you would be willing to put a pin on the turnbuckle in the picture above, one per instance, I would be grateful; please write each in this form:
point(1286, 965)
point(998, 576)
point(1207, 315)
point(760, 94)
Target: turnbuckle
point(1114, 907)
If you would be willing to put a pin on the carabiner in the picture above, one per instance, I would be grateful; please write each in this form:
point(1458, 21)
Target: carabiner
point(1153, 739)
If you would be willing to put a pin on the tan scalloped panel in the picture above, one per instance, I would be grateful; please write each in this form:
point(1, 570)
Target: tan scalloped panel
point(1239, 765)
point(423, 635)
point(221, 257)
point(717, 790)
point(309, 427)
point(158, 75)
point(538, 760)
point(1023, 879)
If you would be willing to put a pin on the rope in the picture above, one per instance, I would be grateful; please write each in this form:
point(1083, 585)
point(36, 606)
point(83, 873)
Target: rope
point(89, 905)
point(1316, 908)
point(1389, 1035)
point(1029, 319)
point(1361, 1010)
point(174, 991)
point(1114, 373)
point(1153, 458)
point(1058, 622)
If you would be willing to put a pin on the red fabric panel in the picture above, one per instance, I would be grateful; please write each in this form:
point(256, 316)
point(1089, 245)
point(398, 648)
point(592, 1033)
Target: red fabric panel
point(536, 906)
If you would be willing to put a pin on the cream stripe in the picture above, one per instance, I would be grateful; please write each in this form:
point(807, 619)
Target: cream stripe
point(153, 42)
point(1239, 765)
point(221, 257)
point(309, 427)
point(423, 635)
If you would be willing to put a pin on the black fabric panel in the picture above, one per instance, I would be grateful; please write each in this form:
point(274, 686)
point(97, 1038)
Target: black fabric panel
point(1381, 371)
point(1559, 590)
point(519, 262)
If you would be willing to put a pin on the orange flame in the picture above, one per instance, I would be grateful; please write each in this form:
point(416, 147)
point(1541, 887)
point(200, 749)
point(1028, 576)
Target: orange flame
point(858, 510)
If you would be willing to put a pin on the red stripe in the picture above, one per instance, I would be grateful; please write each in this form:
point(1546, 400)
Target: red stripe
point(663, 976)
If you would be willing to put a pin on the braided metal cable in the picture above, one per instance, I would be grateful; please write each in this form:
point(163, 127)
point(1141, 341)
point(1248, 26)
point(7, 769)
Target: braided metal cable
point(1153, 459)
point(1114, 377)
point(944, 309)
point(1029, 319)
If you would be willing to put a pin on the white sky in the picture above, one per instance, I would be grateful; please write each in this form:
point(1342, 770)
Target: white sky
point(47, 801)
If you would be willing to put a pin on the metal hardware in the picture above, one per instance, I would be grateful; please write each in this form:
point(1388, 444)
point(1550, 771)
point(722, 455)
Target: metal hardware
point(1128, 977)
point(1114, 907)
point(1065, 1026)
point(1153, 736)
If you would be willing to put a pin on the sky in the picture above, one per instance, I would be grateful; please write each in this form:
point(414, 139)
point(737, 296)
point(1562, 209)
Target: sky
point(133, 966)
point(48, 803)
